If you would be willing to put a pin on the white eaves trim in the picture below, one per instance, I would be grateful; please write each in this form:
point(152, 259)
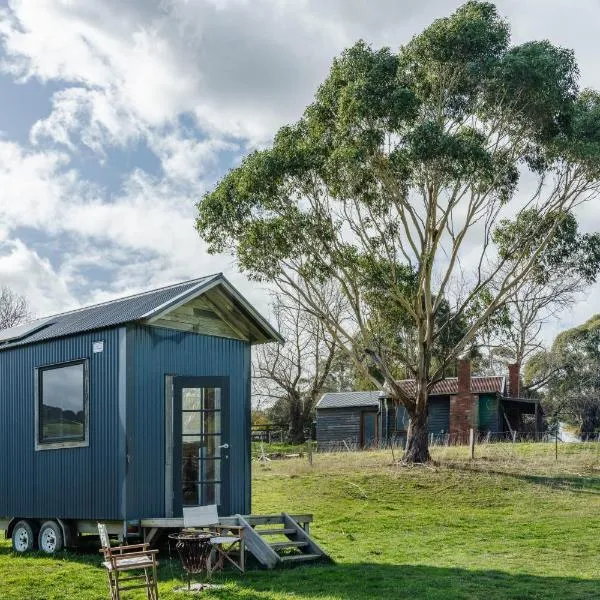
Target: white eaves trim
point(203, 287)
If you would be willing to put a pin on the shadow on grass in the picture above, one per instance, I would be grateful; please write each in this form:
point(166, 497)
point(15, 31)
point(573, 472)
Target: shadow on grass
point(583, 484)
point(357, 581)
point(365, 581)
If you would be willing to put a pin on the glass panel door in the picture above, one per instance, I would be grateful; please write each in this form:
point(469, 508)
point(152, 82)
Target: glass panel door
point(201, 449)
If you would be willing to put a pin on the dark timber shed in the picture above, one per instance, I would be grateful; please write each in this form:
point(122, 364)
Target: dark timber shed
point(129, 409)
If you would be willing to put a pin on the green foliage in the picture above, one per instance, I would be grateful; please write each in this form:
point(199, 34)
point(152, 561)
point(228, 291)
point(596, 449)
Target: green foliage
point(399, 160)
point(569, 376)
point(569, 253)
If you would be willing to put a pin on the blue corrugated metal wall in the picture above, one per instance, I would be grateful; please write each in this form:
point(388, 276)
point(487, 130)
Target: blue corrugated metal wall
point(438, 419)
point(154, 353)
point(78, 483)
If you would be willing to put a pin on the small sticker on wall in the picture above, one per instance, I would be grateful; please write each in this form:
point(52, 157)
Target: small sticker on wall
point(98, 346)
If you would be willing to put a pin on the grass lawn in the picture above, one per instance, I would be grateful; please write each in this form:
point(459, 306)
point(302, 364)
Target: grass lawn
point(511, 524)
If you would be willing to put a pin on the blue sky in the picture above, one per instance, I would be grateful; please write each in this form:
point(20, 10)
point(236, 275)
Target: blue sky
point(116, 116)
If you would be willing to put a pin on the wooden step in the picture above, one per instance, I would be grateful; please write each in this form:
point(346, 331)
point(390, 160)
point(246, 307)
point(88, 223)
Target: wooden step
point(267, 519)
point(300, 558)
point(279, 531)
point(290, 544)
point(285, 526)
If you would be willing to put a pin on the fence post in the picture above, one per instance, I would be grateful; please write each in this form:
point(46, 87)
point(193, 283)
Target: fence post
point(309, 452)
point(556, 444)
point(472, 443)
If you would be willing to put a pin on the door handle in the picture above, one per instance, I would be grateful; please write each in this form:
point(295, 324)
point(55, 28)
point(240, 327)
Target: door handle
point(225, 446)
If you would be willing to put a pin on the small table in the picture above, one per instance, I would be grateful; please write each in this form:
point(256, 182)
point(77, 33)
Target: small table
point(227, 540)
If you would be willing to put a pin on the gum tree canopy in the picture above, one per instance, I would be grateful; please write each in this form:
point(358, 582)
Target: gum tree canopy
point(424, 186)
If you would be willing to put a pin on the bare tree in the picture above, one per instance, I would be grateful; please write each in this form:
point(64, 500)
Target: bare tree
point(528, 311)
point(14, 308)
point(294, 374)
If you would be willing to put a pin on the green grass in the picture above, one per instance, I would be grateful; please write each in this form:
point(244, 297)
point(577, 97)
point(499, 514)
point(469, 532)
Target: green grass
point(279, 448)
point(512, 524)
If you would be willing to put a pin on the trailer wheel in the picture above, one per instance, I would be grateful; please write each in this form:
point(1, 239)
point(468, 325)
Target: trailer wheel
point(50, 538)
point(23, 537)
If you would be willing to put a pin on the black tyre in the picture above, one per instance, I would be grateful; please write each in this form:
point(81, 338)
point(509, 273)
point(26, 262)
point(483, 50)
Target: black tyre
point(23, 537)
point(50, 538)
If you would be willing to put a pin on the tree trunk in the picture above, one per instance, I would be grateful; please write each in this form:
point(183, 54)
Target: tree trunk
point(296, 428)
point(417, 441)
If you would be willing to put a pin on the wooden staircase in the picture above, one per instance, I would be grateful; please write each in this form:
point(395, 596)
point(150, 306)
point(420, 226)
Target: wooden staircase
point(276, 540)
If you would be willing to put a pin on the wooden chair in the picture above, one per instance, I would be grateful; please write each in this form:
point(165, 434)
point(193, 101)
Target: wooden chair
point(136, 558)
point(227, 540)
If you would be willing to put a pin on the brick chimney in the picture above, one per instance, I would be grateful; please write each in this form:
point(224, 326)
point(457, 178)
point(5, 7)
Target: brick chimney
point(464, 376)
point(514, 380)
point(464, 412)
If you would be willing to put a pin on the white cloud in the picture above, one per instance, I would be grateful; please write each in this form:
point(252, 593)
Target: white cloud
point(128, 70)
point(185, 158)
point(24, 271)
point(142, 236)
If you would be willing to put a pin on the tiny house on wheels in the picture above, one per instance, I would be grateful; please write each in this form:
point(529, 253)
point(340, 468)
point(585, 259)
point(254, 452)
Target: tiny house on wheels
point(127, 410)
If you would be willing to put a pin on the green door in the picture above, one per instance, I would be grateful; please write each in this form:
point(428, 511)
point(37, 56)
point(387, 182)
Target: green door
point(369, 429)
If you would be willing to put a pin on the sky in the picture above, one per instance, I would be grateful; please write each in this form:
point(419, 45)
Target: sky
point(116, 116)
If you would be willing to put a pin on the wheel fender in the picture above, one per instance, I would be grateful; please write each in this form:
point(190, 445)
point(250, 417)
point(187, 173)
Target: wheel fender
point(11, 525)
point(69, 532)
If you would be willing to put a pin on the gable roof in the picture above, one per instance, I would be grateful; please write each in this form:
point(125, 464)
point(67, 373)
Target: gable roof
point(446, 387)
point(349, 399)
point(136, 308)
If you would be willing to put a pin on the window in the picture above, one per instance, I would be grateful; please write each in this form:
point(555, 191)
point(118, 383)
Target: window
point(62, 405)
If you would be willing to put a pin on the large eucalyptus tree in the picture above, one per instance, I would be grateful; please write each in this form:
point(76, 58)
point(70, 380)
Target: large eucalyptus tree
point(411, 184)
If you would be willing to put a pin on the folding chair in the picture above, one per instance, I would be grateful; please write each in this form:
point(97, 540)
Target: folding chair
point(135, 558)
point(227, 540)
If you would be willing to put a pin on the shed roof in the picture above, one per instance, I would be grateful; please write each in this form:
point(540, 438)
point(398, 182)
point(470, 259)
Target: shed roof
point(140, 307)
point(349, 399)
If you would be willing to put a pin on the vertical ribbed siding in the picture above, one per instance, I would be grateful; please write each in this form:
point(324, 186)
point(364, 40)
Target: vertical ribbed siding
point(488, 413)
point(77, 483)
point(438, 418)
point(155, 353)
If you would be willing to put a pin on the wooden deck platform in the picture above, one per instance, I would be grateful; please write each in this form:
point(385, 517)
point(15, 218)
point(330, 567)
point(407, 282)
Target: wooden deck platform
point(273, 540)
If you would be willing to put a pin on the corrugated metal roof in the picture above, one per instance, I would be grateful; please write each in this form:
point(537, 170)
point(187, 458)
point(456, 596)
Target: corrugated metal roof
point(479, 385)
point(348, 399)
point(124, 310)
point(446, 387)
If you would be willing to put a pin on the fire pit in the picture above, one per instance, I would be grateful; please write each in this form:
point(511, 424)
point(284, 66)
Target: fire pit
point(194, 550)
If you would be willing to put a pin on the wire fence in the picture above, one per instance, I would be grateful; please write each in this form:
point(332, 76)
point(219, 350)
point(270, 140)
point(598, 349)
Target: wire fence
point(398, 440)
point(272, 433)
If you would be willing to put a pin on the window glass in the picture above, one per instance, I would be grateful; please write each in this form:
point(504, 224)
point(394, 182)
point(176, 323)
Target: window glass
point(62, 404)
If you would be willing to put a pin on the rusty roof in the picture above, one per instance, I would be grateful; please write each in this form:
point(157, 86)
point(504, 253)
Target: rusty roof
point(449, 386)
point(446, 387)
